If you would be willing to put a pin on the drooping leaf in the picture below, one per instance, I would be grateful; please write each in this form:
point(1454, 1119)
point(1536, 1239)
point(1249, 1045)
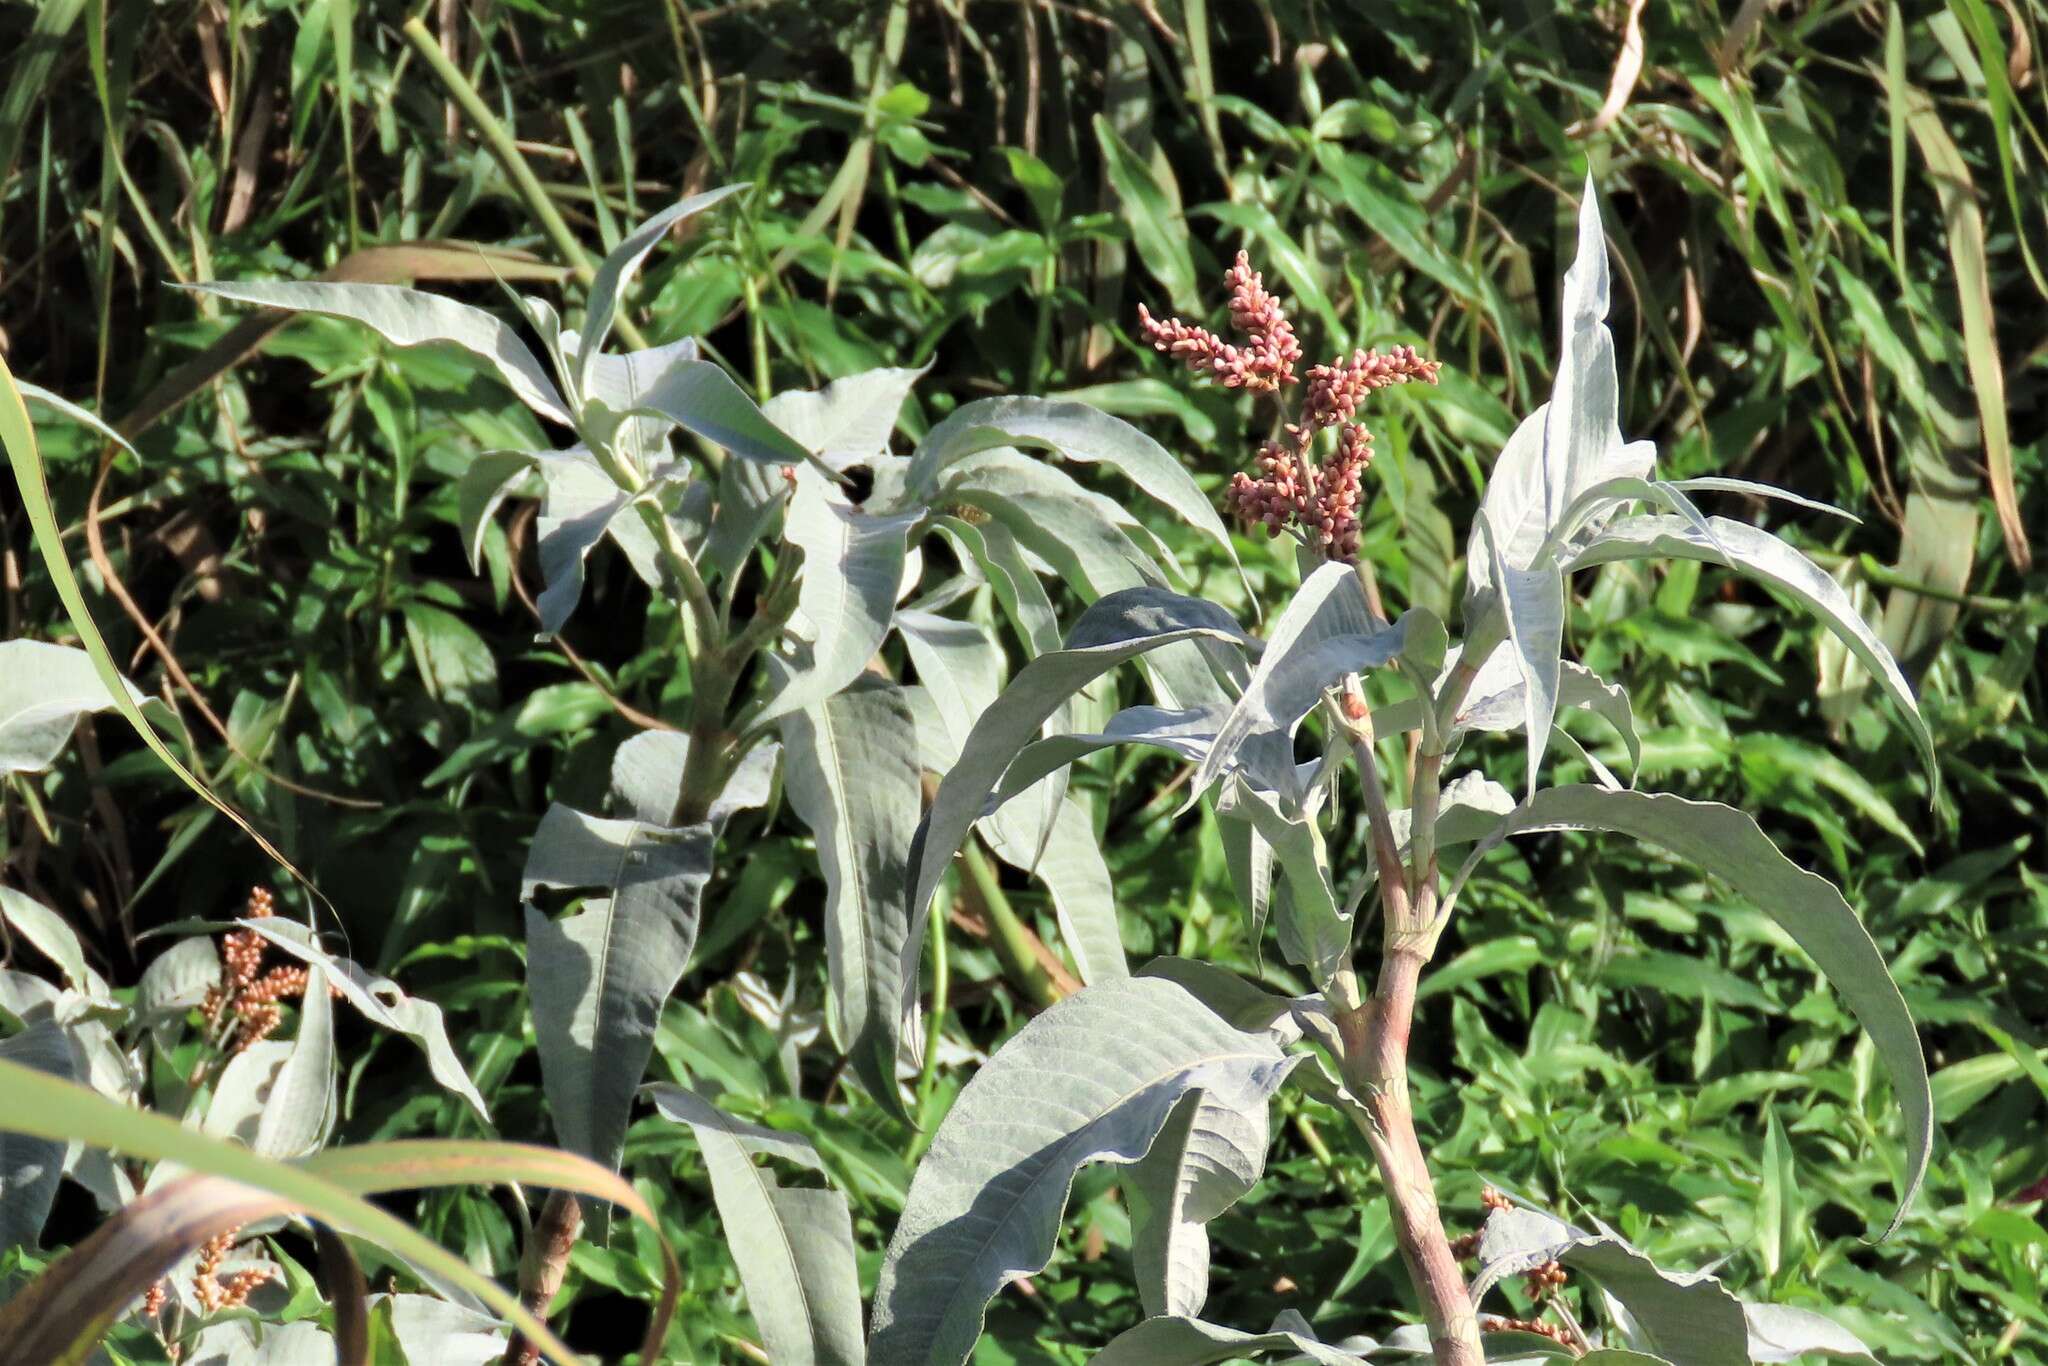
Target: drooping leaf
point(1495, 701)
point(1073, 431)
point(1206, 1157)
point(1074, 871)
point(301, 1109)
point(382, 1002)
point(412, 317)
point(1764, 557)
point(41, 1324)
point(1187, 733)
point(855, 780)
point(1120, 627)
point(1782, 1332)
point(794, 1247)
point(485, 483)
point(1688, 1317)
point(24, 457)
point(581, 505)
point(1186, 1341)
point(598, 978)
point(1091, 1080)
point(1728, 844)
point(1323, 634)
point(54, 939)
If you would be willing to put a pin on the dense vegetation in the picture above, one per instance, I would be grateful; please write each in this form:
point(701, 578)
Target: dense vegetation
point(1828, 229)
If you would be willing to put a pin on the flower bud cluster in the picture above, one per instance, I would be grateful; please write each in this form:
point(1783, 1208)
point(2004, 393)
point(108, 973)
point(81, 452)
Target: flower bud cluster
point(1546, 1279)
point(1538, 1327)
point(1289, 491)
point(215, 1294)
point(245, 992)
point(1263, 364)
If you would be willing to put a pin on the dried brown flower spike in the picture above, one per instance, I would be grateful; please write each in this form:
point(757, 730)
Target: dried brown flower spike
point(1290, 492)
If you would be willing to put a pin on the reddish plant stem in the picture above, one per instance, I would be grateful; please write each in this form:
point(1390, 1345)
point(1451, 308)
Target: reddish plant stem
point(1376, 1070)
point(542, 1267)
point(1375, 1032)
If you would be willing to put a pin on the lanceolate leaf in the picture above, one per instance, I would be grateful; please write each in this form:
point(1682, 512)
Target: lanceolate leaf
point(1017, 589)
point(794, 1247)
point(1534, 603)
point(1187, 733)
point(701, 398)
point(1091, 1080)
point(1207, 1157)
point(1324, 634)
point(1769, 560)
point(301, 1108)
point(850, 420)
point(1050, 837)
point(599, 978)
point(1314, 930)
point(579, 506)
point(1083, 899)
point(45, 929)
point(619, 268)
point(1076, 432)
point(853, 566)
point(1727, 843)
point(1689, 1318)
point(854, 779)
point(1120, 627)
point(1496, 700)
point(412, 317)
point(1685, 1318)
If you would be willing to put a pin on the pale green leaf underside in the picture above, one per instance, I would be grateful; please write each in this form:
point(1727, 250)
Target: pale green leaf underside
point(1091, 1080)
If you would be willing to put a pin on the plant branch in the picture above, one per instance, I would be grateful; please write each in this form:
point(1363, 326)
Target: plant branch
point(1375, 1036)
point(1375, 1032)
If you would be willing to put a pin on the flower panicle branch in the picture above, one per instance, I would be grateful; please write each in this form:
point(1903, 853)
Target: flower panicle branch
point(1290, 491)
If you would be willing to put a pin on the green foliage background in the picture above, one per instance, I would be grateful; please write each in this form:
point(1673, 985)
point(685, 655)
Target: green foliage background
point(1829, 223)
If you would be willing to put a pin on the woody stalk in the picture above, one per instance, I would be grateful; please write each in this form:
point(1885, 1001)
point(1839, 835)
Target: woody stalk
point(1314, 497)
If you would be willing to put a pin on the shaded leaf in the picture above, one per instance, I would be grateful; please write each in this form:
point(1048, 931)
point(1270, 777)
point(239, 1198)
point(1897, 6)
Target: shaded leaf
point(598, 978)
point(1091, 1080)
